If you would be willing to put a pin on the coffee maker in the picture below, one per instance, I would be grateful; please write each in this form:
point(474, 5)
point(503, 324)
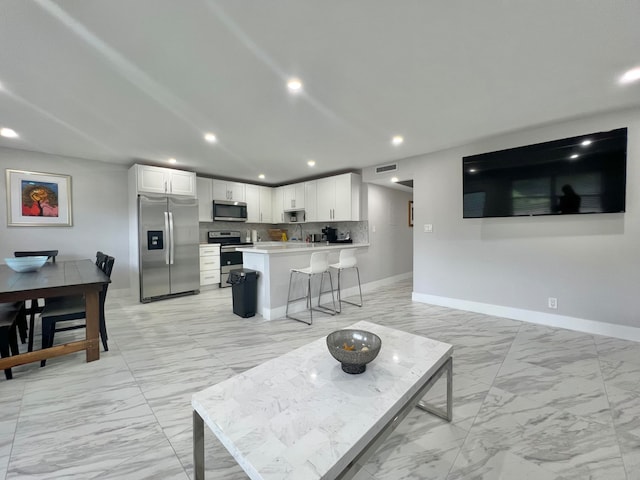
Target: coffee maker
point(329, 234)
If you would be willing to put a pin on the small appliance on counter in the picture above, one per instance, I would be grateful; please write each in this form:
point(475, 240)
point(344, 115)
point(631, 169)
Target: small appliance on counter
point(344, 237)
point(330, 234)
point(315, 237)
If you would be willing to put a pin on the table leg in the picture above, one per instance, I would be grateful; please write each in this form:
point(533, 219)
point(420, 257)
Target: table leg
point(92, 307)
point(448, 414)
point(198, 446)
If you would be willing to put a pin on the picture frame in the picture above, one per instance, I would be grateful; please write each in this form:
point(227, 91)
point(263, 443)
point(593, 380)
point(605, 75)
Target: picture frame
point(36, 199)
point(410, 213)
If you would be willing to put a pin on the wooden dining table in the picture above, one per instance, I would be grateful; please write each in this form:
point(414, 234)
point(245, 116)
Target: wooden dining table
point(72, 277)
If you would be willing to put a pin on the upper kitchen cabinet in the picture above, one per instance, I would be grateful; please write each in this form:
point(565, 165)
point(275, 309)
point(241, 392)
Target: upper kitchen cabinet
point(293, 197)
point(205, 199)
point(164, 181)
point(224, 190)
point(277, 198)
point(259, 209)
point(338, 198)
point(311, 201)
point(266, 208)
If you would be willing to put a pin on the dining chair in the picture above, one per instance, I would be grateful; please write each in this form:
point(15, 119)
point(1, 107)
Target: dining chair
point(64, 309)
point(34, 305)
point(10, 315)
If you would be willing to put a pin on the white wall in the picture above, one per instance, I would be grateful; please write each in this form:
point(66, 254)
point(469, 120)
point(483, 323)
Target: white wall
point(590, 263)
point(99, 203)
point(390, 251)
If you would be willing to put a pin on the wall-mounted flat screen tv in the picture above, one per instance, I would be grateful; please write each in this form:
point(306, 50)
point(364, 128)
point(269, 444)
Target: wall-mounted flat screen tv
point(583, 174)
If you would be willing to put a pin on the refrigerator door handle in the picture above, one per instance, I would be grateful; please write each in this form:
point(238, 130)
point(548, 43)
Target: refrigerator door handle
point(171, 239)
point(168, 234)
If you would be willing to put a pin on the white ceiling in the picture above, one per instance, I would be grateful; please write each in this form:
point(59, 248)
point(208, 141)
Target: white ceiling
point(143, 80)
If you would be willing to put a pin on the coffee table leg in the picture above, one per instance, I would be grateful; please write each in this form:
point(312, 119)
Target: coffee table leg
point(448, 414)
point(198, 446)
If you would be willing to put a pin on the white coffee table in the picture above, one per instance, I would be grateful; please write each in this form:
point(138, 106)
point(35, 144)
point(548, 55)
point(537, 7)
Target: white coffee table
point(299, 416)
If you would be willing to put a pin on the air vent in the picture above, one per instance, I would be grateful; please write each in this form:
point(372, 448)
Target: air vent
point(387, 168)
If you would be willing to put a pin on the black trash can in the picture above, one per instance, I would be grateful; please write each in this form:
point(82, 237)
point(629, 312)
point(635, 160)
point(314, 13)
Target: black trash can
point(244, 286)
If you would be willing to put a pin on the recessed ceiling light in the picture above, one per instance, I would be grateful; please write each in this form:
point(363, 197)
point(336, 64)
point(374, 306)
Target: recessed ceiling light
point(585, 143)
point(472, 170)
point(311, 163)
point(7, 132)
point(210, 137)
point(394, 179)
point(294, 85)
point(172, 160)
point(397, 140)
point(575, 155)
point(630, 76)
point(261, 176)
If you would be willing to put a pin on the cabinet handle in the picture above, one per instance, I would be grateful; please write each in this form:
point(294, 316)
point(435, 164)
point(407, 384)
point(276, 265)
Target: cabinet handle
point(171, 186)
point(165, 186)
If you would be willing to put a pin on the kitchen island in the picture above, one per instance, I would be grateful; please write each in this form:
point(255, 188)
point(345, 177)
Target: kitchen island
point(274, 261)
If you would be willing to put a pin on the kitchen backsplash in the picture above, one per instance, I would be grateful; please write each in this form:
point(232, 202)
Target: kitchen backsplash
point(359, 231)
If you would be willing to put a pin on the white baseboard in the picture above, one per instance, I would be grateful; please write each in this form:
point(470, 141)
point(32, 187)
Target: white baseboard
point(549, 319)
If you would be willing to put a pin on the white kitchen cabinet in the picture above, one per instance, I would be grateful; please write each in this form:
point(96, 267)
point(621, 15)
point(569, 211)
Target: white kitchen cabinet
point(164, 181)
point(252, 197)
point(311, 201)
point(258, 200)
point(338, 198)
point(205, 205)
point(224, 190)
point(277, 198)
point(209, 265)
point(293, 197)
point(266, 210)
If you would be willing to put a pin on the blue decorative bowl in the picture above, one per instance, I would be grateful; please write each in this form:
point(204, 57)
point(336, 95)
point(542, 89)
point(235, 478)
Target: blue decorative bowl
point(353, 348)
point(26, 264)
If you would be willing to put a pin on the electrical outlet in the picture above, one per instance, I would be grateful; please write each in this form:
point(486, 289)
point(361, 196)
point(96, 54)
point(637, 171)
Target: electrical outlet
point(553, 302)
point(428, 228)
point(373, 229)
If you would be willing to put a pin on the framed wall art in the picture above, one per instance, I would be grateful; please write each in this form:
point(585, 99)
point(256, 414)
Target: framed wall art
point(37, 199)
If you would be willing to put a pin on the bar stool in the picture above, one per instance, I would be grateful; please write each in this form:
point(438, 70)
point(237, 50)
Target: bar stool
point(347, 260)
point(319, 265)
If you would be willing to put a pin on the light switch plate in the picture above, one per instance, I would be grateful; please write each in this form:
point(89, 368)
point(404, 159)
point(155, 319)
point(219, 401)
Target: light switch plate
point(428, 228)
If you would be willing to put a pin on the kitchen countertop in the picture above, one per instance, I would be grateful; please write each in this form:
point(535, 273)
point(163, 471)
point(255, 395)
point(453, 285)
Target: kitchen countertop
point(296, 247)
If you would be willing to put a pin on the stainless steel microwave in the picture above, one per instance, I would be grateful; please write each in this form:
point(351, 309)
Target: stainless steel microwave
point(229, 211)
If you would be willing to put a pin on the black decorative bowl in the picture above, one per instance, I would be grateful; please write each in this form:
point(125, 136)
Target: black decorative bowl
point(353, 348)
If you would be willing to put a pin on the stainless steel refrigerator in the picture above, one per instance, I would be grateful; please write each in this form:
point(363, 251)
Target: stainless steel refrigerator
point(168, 233)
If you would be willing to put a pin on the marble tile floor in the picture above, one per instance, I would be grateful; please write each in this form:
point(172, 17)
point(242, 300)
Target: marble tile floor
point(530, 402)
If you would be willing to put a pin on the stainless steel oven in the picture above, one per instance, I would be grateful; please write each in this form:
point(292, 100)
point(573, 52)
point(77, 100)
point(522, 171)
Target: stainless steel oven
point(230, 259)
